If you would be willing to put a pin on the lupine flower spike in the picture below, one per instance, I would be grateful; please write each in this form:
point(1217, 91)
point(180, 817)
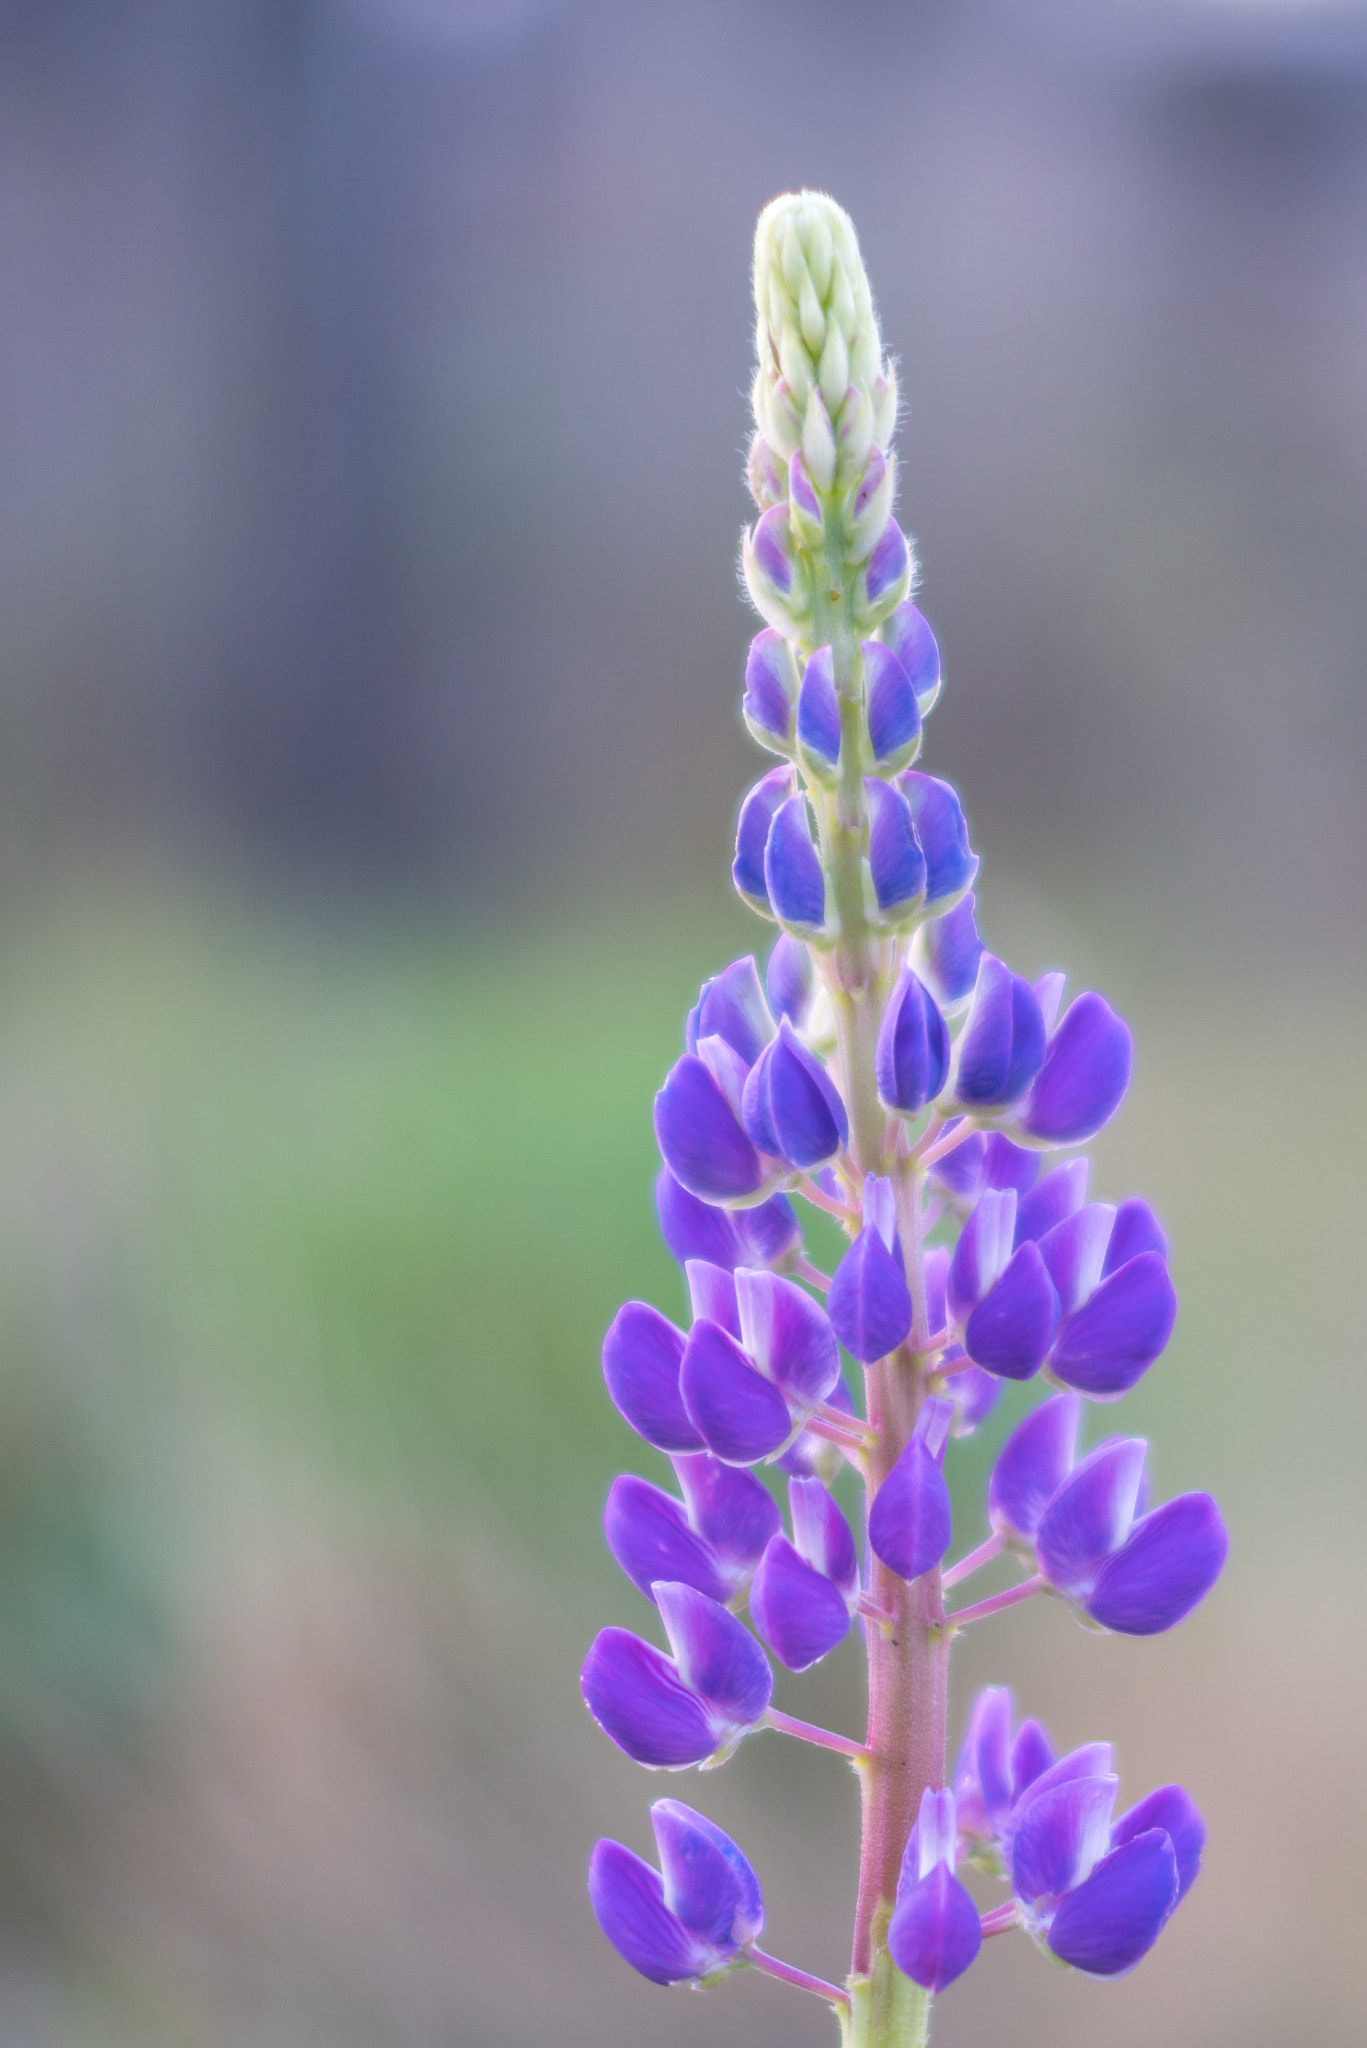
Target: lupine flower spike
point(885, 1067)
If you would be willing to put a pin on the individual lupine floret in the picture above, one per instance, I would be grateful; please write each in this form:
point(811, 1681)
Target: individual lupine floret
point(790, 981)
point(767, 1235)
point(746, 1398)
point(907, 632)
point(757, 815)
point(984, 1159)
point(699, 1130)
point(771, 685)
point(869, 1303)
point(935, 1932)
point(1082, 1080)
point(671, 1712)
point(911, 1519)
point(896, 865)
point(911, 1060)
point(732, 1006)
point(711, 1540)
point(774, 573)
point(886, 577)
point(893, 709)
point(794, 880)
point(1001, 1047)
point(790, 1107)
point(805, 1591)
point(818, 718)
point(1109, 1269)
point(1001, 1302)
point(942, 831)
point(689, 1921)
point(946, 953)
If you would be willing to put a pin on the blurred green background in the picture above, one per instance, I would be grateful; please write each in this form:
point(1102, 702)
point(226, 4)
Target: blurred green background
point(371, 397)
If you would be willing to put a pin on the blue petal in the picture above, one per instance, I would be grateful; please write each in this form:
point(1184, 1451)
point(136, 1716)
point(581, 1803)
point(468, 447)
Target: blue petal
point(935, 1933)
point(950, 951)
point(770, 688)
point(708, 1883)
point(1171, 1561)
point(732, 1006)
point(712, 1295)
point(1010, 1330)
point(1170, 1808)
point(642, 1354)
point(896, 862)
point(981, 1255)
point(752, 833)
point(942, 830)
point(694, 1229)
point(792, 868)
point(818, 709)
point(1034, 1462)
point(638, 1699)
point(795, 1609)
point(1108, 1923)
point(1052, 1199)
point(628, 1900)
point(908, 634)
point(717, 1657)
point(1003, 1041)
point(790, 979)
point(1032, 1753)
point(1115, 1337)
point(791, 1107)
point(911, 1059)
point(911, 1521)
point(1090, 1515)
point(822, 1535)
point(1060, 1837)
point(869, 1303)
point(735, 1411)
point(1136, 1230)
point(789, 1336)
point(1084, 1077)
point(893, 712)
point(888, 563)
point(647, 1532)
point(700, 1140)
point(733, 1513)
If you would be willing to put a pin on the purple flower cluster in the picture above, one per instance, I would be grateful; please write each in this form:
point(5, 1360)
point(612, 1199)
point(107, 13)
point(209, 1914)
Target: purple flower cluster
point(889, 1071)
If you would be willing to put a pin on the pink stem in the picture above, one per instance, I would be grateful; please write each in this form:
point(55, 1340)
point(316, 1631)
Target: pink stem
point(813, 1275)
point(824, 1738)
point(945, 1145)
point(873, 1612)
point(819, 1199)
point(975, 1560)
point(787, 1974)
point(846, 1439)
point(1000, 1920)
point(996, 1601)
point(841, 1418)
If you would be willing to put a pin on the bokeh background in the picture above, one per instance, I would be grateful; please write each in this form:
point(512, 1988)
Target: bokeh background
point(372, 383)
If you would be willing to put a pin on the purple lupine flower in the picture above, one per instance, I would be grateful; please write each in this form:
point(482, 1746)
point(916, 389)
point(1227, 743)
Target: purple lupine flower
point(897, 866)
point(642, 1356)
point(789, 1337)
point(869, 1303)
point(907, 632)
point(1002, 1046)
point(670, 1712)
point(698, 1129)
point(947, 953)
point(805, 1592)
point(942, 830)
point(818, 716)
point(770, 700)
point(747, 1388)
point(790, 980)
point(757, 813)
point(893, 709)
point(985, 1159)
point(763, 1236)
point(1001, 1300)
point(1032, 1465)
point(935, 1933)
point(731, 1006)
point(794, 883)
point(911, 1519)
point(711, 1540)
point(1082, 1080)
point(1118, 1306)
point(912, 1056)
point(791, 1108)
point(688, 1921)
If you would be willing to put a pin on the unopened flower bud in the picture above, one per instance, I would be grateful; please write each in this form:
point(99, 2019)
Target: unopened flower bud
point(818, 718)
point(897, 866)
point(871, 505)
point(908, 634)
point(894, 716)
point(818, 442)
point(886, 578)
point(793, 874)
point(766, 473)
point(769, 705)
point(752, 835)
point(774, 578)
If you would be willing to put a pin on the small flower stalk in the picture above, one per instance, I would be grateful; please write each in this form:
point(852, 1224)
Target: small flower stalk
point(887, 1069)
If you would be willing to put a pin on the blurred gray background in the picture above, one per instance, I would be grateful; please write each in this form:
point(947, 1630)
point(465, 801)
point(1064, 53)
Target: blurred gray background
point(372, 399)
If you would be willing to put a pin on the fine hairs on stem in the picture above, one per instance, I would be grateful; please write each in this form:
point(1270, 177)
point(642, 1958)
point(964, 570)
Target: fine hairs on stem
point(889, 1071)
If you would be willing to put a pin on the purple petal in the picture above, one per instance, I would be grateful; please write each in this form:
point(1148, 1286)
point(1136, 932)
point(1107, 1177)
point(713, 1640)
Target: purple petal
point(869, 1303)
point(752, 833)
point(981, 1255)
point(732, 1513)
point(1084, 1077)
point(800, 489)
point(731, 1006)
point(1115, 1337)
point(792, 868)
point(1032, 1753)
point(694, 1229)
point(712, 1294)
point(1172, 1809)
point(909, 636)
point(950, 953)
point(1049, 990)
point(1060, 1836)
point(772, 547)
point(1073, 1251)
point(1108, 1923)
point(911, 1060)
point(896, 862)
point(893, 712)
point(934, 1837)
point(888, 563)
point(937, 1279)
point(975, 1394)
point(934, 1934)
point(789, 1337)
point(708, 1883)
point(647, 1532)
point(911, 1521)
point(985, 1049)
point(1136, 1230)
point(942, 830)
point(1052, 1199)
point(717, 1657)
point(818, 709)
point(983, 1776)
point(628, 1900)
point(638, 1699)
point(1090, 1515)
point(766, 1233)
point(1010, 1330)
point(1033, 1464)
point(1088, 1760)
point(700, 1140)
point(1006, 1165)
point(791, 1107)
point(796, 1610)
point(932, 1425)
point(822, 1535)
point(1171, 1561)
point(770, 687)
point(642, 1355)
point(790, 979)
point(734, 1409)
